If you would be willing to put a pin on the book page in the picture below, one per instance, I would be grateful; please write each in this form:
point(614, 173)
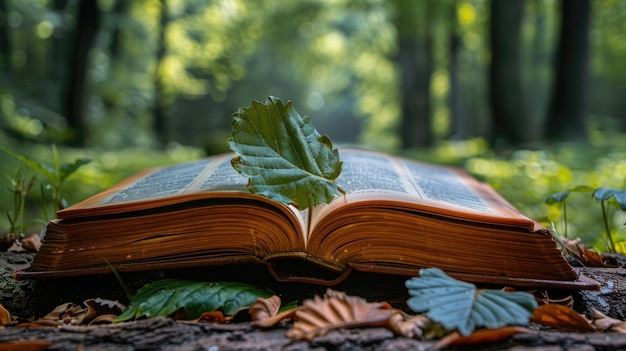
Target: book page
point(374, 180)
point(221, 175)
point(368, 172)
point(162, 182)
point(441, 184)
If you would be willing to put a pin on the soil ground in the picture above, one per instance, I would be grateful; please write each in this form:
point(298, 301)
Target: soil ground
point(35, 298)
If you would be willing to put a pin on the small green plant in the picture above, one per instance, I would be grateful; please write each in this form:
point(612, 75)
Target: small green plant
point(20, 186)
point(55, 174)
point(603, 196)
point(560, 198)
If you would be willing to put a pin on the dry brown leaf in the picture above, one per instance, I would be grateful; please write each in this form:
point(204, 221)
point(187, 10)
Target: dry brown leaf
point(212, 316)
point(5, 316)
point(561, 317)
point(265, 312)
point(606, 323)
point(72, 314)
point(24, 345)
point(545, 299)
point(481, 336)
point(409, 326)
point(336, 310)
point(31, 243)
point(264, 308)
point(587, 257)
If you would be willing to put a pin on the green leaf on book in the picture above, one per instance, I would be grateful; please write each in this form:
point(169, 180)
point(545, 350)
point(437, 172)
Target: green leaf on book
point(283, 155)
point(460, 305)
point(164, 297)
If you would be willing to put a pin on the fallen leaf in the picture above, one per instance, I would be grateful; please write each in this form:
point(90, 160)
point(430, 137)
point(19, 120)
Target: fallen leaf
point(409, 326)
point(460, 305)
point(606, 323)
point(24, 345)
point(561, 317)
point(5, 316)
point(72, 314)
point(545, 299)
point(264, 308)
point(336, 310)
point(31, 243)
point(587, 257)
point(265, 312)
point(481, 336)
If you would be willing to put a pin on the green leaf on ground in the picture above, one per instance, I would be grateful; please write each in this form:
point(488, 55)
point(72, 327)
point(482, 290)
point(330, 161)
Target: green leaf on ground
point(283, 155)
point(164, 297)
point(459, 305)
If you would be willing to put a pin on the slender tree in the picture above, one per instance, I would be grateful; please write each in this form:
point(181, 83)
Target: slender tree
point(460, 122)
point(415, 59)
point(5, 46)
point(160, 104)
point(566, 117)
point(507, 105)
point(76, 93)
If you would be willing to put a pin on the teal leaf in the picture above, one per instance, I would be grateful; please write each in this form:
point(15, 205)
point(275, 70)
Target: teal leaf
point(283, 155)
point(604, 194)
point(563, 195)
point(459, 305)
point(164, 297)
point(557, 197)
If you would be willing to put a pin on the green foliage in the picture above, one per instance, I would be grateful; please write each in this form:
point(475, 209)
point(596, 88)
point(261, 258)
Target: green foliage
point(460, 305)
point(55, 174)
point(19, 186)
point(526, 177)
point(602, 196)
point(560, 197)
point(164, 297)
point(283, 155)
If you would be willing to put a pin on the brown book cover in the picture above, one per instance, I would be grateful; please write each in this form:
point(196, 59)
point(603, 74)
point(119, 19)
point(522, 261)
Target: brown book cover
point(397, 216)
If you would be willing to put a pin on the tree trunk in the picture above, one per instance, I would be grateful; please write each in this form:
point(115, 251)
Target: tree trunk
point(76, 94)
point(460, 123)
point(5, 44)
point(508, 111)
point(160, 105)
point(416, 65)
point(566, 119)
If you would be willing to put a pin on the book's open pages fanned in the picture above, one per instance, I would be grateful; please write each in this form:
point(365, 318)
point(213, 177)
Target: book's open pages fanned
point(397, 216)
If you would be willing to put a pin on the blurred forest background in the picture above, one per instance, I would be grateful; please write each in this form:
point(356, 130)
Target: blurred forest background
point(526, 94)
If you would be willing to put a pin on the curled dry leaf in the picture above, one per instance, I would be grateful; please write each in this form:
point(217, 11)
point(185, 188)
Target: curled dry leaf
point(587, 257)
point(545, 299)
point(31, 243)
point(92, 311)
point(265, 312)
point(561, 317)
point(264, 308)
point(5, 316)
point(480, 336)
point(606, 323)
point(336, 310)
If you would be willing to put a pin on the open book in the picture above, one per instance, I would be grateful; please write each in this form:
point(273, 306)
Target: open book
point(396, 217)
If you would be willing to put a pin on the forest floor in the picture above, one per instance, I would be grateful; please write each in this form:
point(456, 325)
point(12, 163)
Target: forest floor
point(34, 298)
